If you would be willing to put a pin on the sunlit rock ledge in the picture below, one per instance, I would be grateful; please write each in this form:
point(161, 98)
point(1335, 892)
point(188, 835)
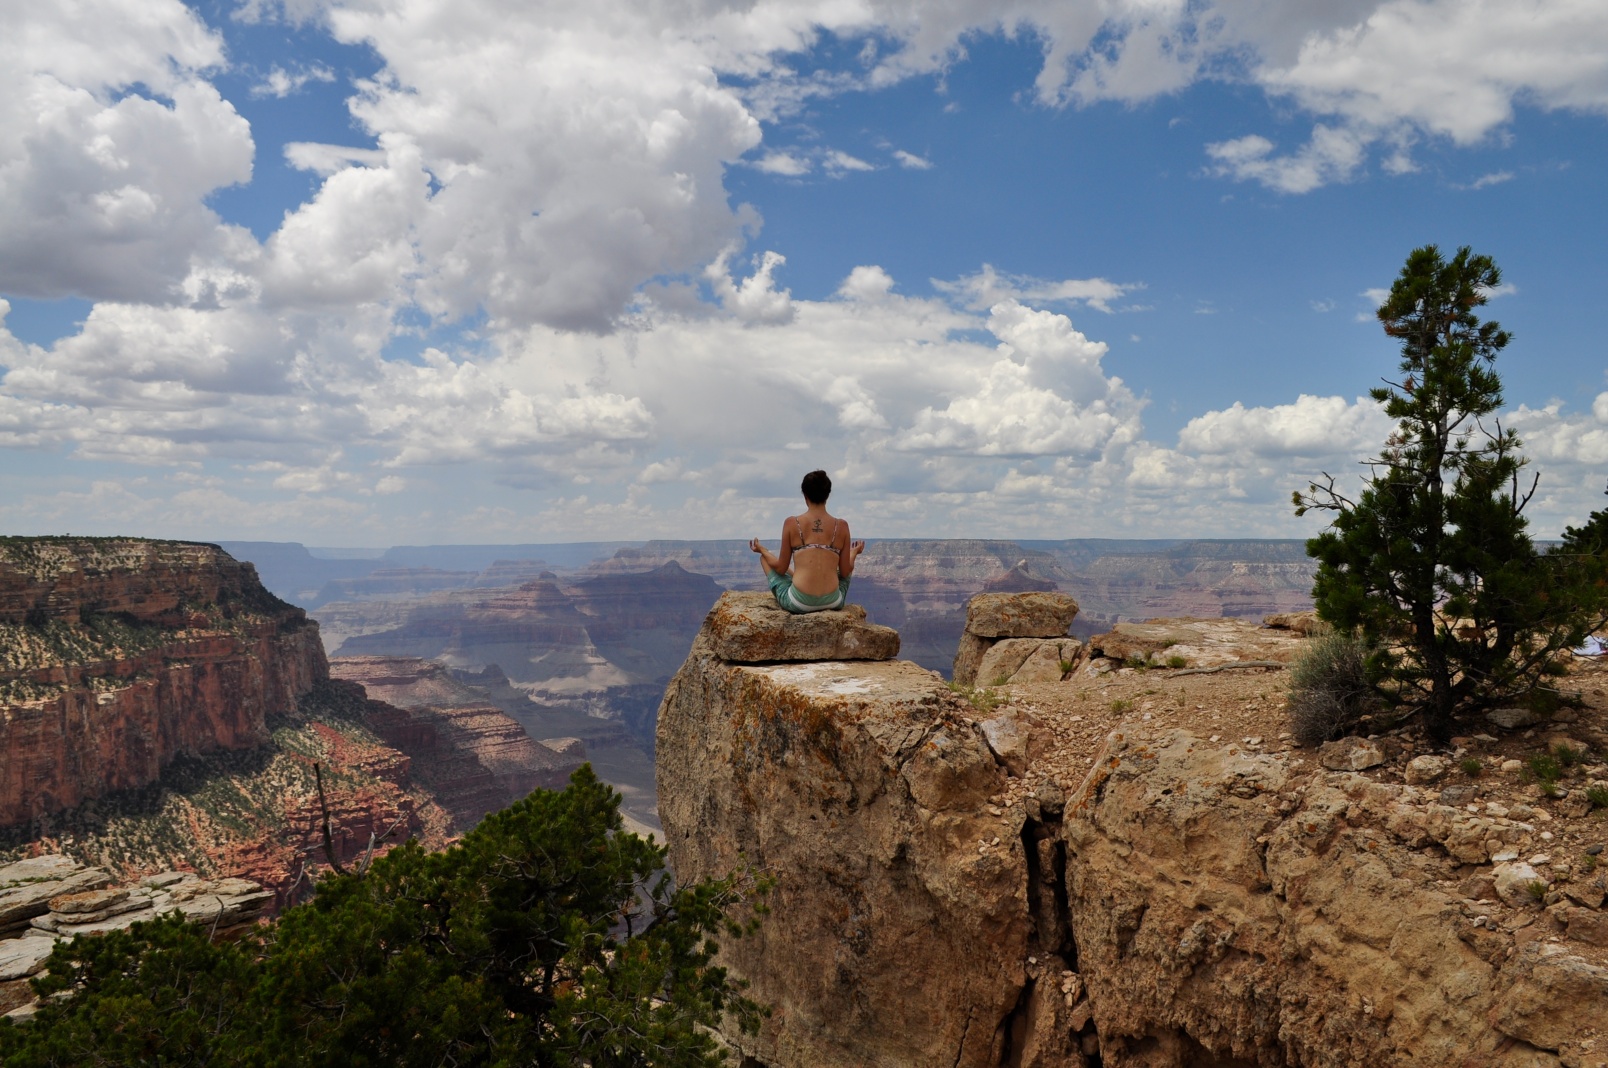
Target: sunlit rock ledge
point(959, 884)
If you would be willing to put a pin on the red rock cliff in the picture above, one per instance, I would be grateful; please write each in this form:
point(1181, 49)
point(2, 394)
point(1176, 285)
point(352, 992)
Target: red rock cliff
point(119, 654)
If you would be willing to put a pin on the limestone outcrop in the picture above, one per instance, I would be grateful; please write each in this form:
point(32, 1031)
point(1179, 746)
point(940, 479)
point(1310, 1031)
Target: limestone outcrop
point(1007, 633)
point(1227, 910)
point(863, 785)
point(948, 892)
point(1195, 643)
point(48, 898)
point(118, 655)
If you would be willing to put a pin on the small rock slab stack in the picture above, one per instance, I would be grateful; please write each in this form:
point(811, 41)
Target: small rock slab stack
point(46, 899)
point(750, 628)
point(1017, 637)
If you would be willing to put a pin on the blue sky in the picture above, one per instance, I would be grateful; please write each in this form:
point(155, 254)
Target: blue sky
point(370, 272)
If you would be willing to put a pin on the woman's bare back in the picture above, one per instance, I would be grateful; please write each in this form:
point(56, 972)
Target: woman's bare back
point(817, 541)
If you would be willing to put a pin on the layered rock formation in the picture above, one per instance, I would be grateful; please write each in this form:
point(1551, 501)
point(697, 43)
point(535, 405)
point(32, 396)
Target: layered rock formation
point(117, 655)
point(49, 898)
point(606, 631)
point(951, 891)
point(163, 710)
point(599, 735)
point(474, 757)
point(1127, 580)
point(392, 582)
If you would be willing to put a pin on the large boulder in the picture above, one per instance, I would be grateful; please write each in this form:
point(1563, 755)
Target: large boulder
point(1016, 660)
point(750, 628)
point(1020, 615)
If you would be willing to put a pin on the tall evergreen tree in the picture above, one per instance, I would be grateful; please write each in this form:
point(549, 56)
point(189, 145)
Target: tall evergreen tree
point(1432, 564)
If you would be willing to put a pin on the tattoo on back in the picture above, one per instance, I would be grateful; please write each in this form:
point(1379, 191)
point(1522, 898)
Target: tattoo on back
point(817, 526)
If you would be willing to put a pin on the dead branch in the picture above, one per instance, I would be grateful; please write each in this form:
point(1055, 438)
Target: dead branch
point(1238, 665)
point(323, 806)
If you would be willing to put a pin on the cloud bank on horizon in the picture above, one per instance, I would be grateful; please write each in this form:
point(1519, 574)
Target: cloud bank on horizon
point(512, 294)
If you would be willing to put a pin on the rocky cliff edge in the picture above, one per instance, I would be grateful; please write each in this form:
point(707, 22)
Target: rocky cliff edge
point(949, 892)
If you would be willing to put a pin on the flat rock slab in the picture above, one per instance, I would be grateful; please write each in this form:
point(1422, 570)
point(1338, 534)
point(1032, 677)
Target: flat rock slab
point(1200, 642)
point(749, 628)
point(21, 957)
point(22, 897)
point(1020, 615)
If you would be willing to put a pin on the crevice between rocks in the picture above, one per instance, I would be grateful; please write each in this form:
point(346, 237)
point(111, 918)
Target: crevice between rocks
point(1053, 952)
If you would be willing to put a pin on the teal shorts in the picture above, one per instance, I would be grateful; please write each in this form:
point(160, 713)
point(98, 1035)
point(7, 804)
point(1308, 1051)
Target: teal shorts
point(781, 587)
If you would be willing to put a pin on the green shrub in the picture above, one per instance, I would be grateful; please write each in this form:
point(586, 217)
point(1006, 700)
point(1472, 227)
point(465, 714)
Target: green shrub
point(1122, 704)
point(1567, 755)
point(1471, 766)
point(1543, 768)
point(1598, 796)
point(1176, 661)
point(983, 700)
point(1536, 889)
point(1138, 663)
point(1329, 688)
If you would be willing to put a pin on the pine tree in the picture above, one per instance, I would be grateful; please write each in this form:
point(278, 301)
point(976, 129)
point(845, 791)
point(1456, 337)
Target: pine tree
point(533, 941)
point(1432, 564)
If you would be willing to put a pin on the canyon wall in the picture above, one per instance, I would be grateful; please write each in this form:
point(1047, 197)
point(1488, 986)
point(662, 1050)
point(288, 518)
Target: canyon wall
point(118, 655)
point(473, 756)
point(161, 709)
point(998, 882)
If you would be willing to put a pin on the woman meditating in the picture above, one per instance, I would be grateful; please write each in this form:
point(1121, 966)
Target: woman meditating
point(818, 547)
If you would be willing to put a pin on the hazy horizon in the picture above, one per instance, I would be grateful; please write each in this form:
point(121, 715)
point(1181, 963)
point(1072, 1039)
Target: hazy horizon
point(360, 271)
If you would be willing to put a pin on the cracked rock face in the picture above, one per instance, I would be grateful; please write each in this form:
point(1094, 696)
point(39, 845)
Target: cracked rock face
point(895, 935)
point(1214, 927)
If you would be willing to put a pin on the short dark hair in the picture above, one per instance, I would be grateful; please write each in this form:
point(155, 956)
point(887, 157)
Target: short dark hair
point(817, 487)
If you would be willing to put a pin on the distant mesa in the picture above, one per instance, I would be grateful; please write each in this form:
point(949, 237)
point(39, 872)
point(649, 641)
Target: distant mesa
point(1019, 579)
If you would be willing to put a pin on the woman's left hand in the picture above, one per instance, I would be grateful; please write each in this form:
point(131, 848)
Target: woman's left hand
point(754, 546)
